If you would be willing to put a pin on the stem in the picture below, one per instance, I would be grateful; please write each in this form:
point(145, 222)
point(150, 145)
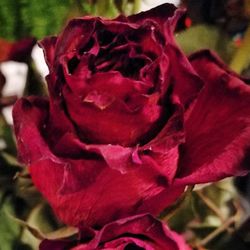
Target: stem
point(211, 205)
point(225, 226)
point(218, 231)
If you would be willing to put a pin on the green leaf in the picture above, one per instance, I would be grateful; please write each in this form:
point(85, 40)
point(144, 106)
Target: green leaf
point(63, 232)
point(205, 37)
point(39, 225)
point(22, 18)
point(6, 134)
point(198, 37)
point(106, 8)
point(241, 59)
point(9, 231)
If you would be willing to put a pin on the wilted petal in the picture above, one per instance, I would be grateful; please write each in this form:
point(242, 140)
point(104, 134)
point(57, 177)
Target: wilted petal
point(48, 45)
point(217, 126)
point(158, 14)
point(138, 232)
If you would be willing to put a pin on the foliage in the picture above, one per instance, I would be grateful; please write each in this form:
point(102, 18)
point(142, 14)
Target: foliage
point(40, 18)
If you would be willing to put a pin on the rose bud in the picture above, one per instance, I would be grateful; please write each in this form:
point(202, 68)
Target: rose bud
point(137, 232)
point(130, 120)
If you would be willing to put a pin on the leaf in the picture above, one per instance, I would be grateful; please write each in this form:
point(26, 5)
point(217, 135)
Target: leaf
point(34, 231)
point(136, 6)
point(40, 225)
point(6, 135)
point(106, 8)
point(64, 232)
point(198, 37)
point(205, 37)
point(241, 59)
point(10, 159)
point(25, 18)
point(10, 231)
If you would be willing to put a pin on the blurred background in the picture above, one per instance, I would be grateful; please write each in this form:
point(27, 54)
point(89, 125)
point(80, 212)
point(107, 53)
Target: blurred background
point(212, 216)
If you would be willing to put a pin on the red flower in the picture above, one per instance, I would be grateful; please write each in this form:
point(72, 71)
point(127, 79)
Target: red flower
point(130, 120)
point(137, 232)
point(19, 51)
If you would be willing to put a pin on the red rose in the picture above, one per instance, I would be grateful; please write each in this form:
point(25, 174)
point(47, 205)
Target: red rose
point(130, 121)
point(137, 232)
point(19, 51)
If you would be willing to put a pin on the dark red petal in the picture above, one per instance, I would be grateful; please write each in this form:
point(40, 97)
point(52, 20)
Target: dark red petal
point(140, 231)
point(55, 245)
point(217, 126)
point(48, 45)
point(115, 112)
point(56, 116)
point(158, 14)
point(116, 156)
point(79, 31)
point(164, 148)
point(183, 78)
point(19, 51)
point(161, 201)
point(99, 189)
point(126, 160)
point(156, 234)
point(31, 111)
point(79, 189)
point(76, 34)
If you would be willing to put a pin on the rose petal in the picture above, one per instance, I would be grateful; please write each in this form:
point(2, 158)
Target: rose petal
point(158, 14)
point(218, 125)
point(55, 245)
point(34, 147)
point(137, 232)
point(88, 203)
point(184, 80)
point(155, 235)
point(164, 148)
point(123, 122)
point(70, 184)
point(48, 45)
